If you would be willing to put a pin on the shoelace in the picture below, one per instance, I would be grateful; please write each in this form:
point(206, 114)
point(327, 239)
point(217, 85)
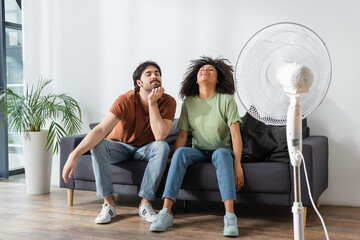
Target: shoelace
point(230, 221)
point(104, 210)
point(150, 210)
point(161, 217)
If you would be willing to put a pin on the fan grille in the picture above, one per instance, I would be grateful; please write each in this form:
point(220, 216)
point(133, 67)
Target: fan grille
point(256, 84)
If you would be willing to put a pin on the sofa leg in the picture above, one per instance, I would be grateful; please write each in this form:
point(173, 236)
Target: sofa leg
point(304, 216)
point(317, 203)
point(70, 196)
point(186, 205)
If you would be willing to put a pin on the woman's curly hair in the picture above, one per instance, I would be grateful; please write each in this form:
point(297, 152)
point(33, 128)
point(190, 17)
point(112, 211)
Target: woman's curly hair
point(189, 87)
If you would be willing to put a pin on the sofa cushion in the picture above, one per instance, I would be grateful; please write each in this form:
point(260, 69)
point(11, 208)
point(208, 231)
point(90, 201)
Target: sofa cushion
point(92, 125)
point(84, 169)
point(267, 177)
point(263, 177)
point(260, 177)
point(128, 172)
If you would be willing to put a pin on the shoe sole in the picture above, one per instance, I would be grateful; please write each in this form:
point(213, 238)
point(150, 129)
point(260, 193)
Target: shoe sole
point(105, 222)
point(230, 234)
point(159, 230)
point(102, 222)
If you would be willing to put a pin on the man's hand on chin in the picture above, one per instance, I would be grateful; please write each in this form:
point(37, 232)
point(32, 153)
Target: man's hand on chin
point(155, 94)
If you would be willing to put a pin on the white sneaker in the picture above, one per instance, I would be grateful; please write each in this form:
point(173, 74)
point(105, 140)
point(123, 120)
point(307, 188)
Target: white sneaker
point(230, 225)
point(163, 222)
point(146, 211)
point(107, 213)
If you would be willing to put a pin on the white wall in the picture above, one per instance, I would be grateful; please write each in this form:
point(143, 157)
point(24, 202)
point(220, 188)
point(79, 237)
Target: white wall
point(92, 47)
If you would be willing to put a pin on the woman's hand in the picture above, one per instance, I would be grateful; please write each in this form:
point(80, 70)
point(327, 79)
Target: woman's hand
point(237, 147)
point(239, 176)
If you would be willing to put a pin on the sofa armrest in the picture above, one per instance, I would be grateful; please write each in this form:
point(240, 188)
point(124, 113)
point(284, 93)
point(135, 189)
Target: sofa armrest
point(316, 156)
point(67, 145)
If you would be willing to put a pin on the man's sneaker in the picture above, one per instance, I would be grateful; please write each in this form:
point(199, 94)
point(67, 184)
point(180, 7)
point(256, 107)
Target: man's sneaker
point(230, 225)
point(146, 211)
point(163, 221)
point(107, 213)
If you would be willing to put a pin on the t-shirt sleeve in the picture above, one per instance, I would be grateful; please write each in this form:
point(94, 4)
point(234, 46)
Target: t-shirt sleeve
point(118, 107)
point(232, 113)
point(183, 120)
point(168, 108)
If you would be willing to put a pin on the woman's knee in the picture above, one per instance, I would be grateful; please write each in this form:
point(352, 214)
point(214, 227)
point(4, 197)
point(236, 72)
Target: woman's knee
point(222, 155)
point(182, 152)
point(180, 155)
point(223, 152)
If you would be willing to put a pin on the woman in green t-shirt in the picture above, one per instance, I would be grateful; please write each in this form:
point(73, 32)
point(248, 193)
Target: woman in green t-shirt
point(210, 112)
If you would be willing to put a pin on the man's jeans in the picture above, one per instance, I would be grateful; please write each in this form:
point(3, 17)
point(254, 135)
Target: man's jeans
point(108, 151)
point(222, 159)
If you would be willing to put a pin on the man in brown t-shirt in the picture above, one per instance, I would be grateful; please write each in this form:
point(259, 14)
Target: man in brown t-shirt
point(139, 121)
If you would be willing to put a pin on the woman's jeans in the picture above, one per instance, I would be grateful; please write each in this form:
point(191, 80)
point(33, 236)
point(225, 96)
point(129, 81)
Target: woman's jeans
point(108, 152)
point(222, 159)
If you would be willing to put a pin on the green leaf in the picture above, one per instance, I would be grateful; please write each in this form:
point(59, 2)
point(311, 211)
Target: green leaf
point(35, 109)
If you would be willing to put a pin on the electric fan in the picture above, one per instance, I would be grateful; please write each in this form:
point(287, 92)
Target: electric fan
point(282, 75)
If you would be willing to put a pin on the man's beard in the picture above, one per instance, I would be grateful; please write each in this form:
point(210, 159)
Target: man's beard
point(152, 86)
point(155, 85)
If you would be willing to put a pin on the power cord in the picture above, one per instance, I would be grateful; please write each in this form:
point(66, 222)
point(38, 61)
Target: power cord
point(311, 198)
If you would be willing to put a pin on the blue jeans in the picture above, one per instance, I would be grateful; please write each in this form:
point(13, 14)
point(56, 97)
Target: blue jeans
point(108, 152)
point(222, 159)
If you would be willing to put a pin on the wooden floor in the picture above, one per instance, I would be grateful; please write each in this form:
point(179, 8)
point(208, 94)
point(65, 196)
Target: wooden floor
point(47, 216)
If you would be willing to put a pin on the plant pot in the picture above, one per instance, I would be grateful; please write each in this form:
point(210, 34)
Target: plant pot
point(38, 162)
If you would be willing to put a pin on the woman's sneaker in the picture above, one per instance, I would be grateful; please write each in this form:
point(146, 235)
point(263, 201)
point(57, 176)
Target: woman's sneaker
point(163, 221)
point(146, 211)
point(230, 225)
point(107, 213)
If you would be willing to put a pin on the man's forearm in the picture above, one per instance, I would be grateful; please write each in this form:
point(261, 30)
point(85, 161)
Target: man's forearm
point(90, 141)
point(157, 123)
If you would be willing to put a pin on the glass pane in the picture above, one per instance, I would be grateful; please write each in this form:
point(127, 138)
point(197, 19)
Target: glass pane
point(14, 63)
point(12, 12)
point(19, 90)
point(14, 75)
point(14, 138)
point(16, 157)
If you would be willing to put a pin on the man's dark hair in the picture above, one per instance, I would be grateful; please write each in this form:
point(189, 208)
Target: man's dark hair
point(140, 69)
point(189, 87)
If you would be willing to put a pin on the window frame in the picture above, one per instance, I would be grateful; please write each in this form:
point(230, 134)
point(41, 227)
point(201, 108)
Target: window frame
point(4, 148)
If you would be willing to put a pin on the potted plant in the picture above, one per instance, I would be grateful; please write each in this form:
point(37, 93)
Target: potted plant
point(30, 115)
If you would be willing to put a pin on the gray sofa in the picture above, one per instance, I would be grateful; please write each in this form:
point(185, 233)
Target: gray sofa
point(267, 181)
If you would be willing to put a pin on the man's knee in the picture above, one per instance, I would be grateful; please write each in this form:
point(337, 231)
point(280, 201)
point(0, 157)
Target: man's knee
point(162, 147)
point(100, 148)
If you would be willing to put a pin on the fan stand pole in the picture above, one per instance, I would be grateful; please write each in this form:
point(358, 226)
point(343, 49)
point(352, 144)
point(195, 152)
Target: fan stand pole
point(294, 141)
point(297, 208)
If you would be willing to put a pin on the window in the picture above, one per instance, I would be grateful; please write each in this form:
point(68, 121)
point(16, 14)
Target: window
point(12, 39)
